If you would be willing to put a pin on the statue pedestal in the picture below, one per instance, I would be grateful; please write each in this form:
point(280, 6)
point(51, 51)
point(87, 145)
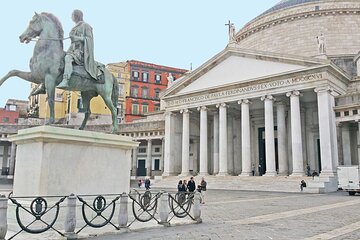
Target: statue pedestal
point(61, 161)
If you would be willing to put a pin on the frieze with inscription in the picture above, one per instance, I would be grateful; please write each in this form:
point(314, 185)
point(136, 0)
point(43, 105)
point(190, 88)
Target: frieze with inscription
point(247, 89)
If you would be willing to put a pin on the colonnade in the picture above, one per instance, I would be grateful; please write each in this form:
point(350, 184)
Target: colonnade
point(327, 132)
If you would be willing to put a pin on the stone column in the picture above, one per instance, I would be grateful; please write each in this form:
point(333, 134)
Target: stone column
point(245, 138)
point(222, 140)
point(345, 132)
point(169, 157)
point(185, 168)
point(326, 129)
point(358, 142)
point(12, 159)
point(281, 132)
point(203, 141)
point(269, 135)
point(296, 138)
point(134, 162)
point(216, 143)
point(162, 154)
point(148, 157)
point(230, 144)
point(5, 160)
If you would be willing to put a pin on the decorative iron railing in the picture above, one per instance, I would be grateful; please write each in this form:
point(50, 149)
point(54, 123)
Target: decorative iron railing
point(40, 214)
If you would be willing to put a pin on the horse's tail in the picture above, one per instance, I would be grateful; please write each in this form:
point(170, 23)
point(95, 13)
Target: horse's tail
point(115, 92)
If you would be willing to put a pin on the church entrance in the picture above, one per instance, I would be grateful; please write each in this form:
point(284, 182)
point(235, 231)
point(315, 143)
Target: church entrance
point(262, 155)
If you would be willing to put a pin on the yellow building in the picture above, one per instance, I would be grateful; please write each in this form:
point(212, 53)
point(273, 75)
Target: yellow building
point(121, 71)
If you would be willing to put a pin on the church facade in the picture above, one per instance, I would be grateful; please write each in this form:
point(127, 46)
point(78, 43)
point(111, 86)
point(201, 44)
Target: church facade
point(280, 99)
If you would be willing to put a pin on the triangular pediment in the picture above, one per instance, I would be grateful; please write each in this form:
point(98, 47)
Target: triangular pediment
point(234, 66)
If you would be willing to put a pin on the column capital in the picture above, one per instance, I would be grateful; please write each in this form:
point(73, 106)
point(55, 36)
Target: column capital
point(149, 139)
point(323, 89)
point(268, 97)
point(185, 111)
point(293, 93)
point(244, 101)
point(202, 108)
point(169, 114)
point(221, 105)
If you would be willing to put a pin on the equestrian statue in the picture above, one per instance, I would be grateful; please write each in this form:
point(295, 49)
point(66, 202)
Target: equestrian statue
point(74, 70)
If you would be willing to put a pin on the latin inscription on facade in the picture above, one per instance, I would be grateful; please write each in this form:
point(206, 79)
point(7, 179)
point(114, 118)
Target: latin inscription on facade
point(247, 89)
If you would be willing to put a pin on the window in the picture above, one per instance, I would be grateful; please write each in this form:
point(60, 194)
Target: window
point(142, 150)
point(12, 107)
point(157, 149)
point(144, 92)
point(145, 77)
point(58, 97)
point(157, 79)
point(346, 113)
point(337, 114)
point(144, 109)
point(355, 112)
point(134, 91)
point(121, 90)
point(157, 108)
point(5, 119)
point(135, 109)
point(80, 106)
point(157, 93)
point(157, 165)
point(135, 75)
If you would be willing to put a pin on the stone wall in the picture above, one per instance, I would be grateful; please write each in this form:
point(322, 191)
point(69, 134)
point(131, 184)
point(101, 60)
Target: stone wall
point(294, 30)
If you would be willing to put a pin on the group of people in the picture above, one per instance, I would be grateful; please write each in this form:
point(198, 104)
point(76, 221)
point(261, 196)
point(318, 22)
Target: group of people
point(147, 183)
point(190, 186)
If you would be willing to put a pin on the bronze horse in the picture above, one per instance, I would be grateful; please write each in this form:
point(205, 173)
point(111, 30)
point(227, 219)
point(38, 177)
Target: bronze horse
point(47, 66)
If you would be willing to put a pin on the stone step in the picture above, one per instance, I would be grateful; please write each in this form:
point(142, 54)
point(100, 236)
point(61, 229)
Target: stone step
point(251, 183)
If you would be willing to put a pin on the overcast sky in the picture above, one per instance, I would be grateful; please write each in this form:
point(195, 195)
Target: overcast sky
point(167, 32)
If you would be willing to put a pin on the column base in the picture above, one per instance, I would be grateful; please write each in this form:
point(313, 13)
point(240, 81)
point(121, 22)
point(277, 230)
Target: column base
point(222, 174)
point(169, 174)
point(283, 174)
point(328, 174)
point(203, 174)
point(245, 174)
point(270, 174)
point(297, 174)
point(184, 174)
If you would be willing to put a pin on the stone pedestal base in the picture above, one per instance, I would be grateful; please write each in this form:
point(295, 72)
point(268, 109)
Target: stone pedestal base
point(60, 161)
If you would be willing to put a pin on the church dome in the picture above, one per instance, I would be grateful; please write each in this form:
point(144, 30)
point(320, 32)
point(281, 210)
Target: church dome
point(291, 27)
point(288, 3)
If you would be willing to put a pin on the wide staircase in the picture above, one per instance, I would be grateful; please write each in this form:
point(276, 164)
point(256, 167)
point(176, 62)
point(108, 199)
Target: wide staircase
point(251, 183)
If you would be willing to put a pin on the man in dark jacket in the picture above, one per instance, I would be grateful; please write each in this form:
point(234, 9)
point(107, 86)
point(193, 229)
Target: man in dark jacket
point(191, 185)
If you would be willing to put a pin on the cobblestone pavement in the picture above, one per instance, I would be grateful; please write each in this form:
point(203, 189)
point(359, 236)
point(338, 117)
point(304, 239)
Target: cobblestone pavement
point(263, 215)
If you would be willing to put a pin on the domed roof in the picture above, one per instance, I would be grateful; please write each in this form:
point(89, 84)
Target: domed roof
point(287, 3)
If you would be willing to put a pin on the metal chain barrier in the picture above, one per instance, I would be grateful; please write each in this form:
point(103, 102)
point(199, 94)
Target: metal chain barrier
point(36, 215)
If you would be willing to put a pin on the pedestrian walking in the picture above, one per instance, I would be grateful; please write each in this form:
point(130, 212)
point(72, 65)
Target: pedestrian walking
point(181, 187)
point(308, 170)
point(203, 185)
point(147, 183)
point(302, 185)
point(191, 185)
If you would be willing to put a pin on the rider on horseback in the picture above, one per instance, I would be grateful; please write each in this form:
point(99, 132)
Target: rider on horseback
point(81, 50)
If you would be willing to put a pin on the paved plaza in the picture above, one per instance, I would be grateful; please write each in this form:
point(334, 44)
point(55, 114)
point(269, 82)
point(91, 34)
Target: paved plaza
point(264, 215)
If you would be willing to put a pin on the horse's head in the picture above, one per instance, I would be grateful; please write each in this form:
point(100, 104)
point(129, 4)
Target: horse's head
point(33, 30)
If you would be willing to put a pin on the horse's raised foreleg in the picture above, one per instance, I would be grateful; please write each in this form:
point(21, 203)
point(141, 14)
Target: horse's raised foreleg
point(86, 98)
point(110, 105)
point(16, 73)
point(50, 89)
